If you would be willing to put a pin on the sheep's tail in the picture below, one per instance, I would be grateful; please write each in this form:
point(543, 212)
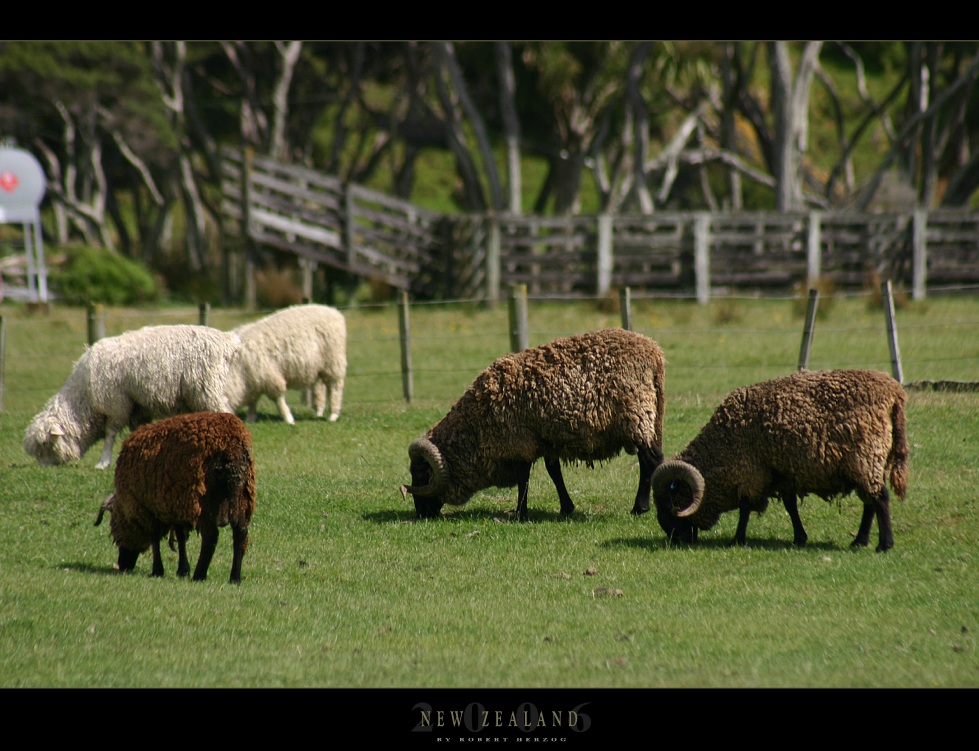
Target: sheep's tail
point(898, 458)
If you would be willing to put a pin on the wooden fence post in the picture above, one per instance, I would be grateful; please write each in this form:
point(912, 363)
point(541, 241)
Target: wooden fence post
point(3, 358)
point(605, 260)
point(96, 322)
point(814, 253)
point(203, 312)
point(308, 268)
point(807, 331)
point(493, 259)
point(892, 331)
point(519, 336)
point(247, 157)
point(701, 255)
point(349, 239)
point(919, 254)
point(625, 307)
point(404, 330)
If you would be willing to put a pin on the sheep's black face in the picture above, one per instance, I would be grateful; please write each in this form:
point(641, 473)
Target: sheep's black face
point(427, 508)
point(127, 559)
point(677, 529)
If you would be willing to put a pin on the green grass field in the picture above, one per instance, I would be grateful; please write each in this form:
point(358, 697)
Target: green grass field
point(342, 588)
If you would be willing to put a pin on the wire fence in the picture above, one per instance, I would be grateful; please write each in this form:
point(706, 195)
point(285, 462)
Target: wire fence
point(710, 349)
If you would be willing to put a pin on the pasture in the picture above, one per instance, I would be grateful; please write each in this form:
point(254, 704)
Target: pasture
point(342, 588)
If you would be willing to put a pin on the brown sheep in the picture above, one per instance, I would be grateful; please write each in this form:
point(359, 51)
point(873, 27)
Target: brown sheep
point(821, 432)
point(192, 471)
point(581, 398)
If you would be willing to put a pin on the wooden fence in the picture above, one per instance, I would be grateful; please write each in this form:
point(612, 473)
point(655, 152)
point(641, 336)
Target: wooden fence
point(369, 235)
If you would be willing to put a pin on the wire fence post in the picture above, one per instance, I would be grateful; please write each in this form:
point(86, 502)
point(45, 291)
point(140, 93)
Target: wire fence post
point(96, 322)
point(405, 335)
point(519, 337)
point(625, 307)
point(3, 359)
point(807, 331)
point(892, 331)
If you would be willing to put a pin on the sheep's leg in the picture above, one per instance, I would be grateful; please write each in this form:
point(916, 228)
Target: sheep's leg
point(523, 488)
point(554, 470)
point(335, 397)
point(879, 506)
point(157, 558)
point(284, 410)
point(649, 460)
point(106, 459)
point(882, 507)
point(799, 536)
point(240, 536)
point(209, 542)
point(183, 564)
point(320, 395)
point(741, 534)
point(252, 415)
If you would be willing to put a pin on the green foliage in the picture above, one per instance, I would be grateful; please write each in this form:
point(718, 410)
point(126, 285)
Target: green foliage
point(343, 588)
point(98, 275)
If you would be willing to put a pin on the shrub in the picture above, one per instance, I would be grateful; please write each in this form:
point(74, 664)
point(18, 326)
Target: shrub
point(90, 274)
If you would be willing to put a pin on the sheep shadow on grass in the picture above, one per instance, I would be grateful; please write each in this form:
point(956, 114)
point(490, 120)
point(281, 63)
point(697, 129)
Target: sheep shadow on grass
point(659, 542)
point(498, 516)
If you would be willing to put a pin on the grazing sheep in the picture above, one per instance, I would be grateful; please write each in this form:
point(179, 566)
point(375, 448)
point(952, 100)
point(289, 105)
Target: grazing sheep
point(123, 381)
point(579, 398)
point(821, 432)
point(191, 471)
point(304, 346)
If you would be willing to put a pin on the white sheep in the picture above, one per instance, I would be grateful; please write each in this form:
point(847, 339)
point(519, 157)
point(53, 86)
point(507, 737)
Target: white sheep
point(303, 346)
point(124, 381)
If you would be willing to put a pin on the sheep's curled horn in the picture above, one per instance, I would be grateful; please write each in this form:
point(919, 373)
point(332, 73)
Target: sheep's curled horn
point(673, 470)
point(106, 506)
point(422, 448)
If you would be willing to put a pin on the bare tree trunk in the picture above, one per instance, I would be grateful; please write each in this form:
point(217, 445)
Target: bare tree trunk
point(474, 198)
point(170, 78)
point(289, 56)
point(729, 133)
point(253, 124)
point(966, 79)
point(511, 125)
point(353, 93)
point(790, 105)
point(446, 53)
point(82, 189)
point(640, 126)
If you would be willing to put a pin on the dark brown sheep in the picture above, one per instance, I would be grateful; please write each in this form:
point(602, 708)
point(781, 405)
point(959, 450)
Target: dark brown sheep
point(581, 398)
point(824, 432)
point(192, 471)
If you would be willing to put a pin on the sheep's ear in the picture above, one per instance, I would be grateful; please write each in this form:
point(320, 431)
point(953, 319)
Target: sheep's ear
point(57, 430)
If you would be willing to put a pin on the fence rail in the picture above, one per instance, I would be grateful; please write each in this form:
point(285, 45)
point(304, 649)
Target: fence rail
point(370, 235)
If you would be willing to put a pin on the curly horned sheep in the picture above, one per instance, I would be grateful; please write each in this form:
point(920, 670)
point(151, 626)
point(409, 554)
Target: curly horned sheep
point(821, 432)
point(303, 346)
point(191, 471)
point(579, 398)
point(123, 381)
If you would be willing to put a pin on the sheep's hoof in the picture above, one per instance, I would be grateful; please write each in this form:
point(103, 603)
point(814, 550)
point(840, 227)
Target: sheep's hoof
point(334, 416)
